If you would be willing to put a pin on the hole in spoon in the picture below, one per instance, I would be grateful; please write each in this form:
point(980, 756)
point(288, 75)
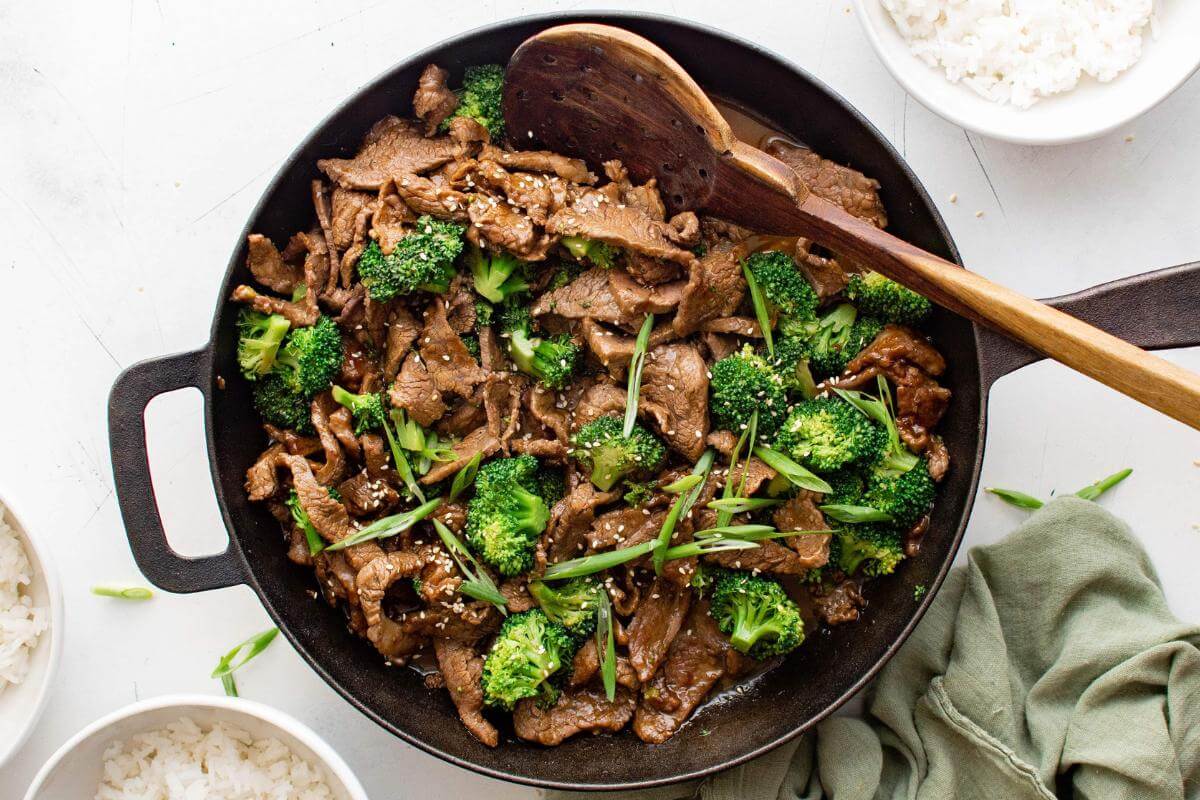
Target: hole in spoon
point(549, 59)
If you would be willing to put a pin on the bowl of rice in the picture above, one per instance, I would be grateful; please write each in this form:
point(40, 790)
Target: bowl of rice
point(197, 747)
point(1036, 71)
point(31, 612)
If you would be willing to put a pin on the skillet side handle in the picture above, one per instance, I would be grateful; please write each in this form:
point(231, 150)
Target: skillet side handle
point(132, 392)
point(1154, 310)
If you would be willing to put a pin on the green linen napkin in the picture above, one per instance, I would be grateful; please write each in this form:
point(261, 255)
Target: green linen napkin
point(1048, 666)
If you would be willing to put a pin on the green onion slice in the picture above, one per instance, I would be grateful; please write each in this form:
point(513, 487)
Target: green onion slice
point(606, 645)
point(465, 476)
point(635, 374)
point(123, 593)
point(761, 313)
point(796, 474)
point(236, 658)
point(682, 505)
point(478, 583)
point(388, 526)
point(853, 514)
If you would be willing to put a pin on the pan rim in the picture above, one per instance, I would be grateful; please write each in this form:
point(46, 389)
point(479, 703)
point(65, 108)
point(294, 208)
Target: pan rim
point(425, 55)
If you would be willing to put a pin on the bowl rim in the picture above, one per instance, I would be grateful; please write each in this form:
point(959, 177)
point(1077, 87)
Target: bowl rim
point(900, 73)
point(329, 757)
point(42, 563)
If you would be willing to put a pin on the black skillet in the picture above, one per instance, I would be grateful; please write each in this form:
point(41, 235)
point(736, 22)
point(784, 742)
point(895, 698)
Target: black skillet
point(1153, 311)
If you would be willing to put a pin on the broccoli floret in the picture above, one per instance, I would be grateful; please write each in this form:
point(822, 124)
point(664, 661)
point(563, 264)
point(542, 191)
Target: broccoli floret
point(483, 314)
point(277, 404)
point(907, 496)
point(528, 649)
point(791, 364)
point(782, 283)
point(637, 492)
point(571, 603)
point(743, 383)
point(550, 485)
point(847, 486)
point(884, 298)
point(756, 614)
point(600, 254)
point(421, 261)
point(875, 547)
point(311, 357)
point(480, 99)
point(551, 360)
point(368, 409)
point(601, 447)
point(506, 515)
point(827, 434)
point(838, 337)
point(497, 275)
point(259, 338)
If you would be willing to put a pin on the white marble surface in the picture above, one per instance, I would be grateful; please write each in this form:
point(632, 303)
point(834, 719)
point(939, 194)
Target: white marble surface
point(136, 135)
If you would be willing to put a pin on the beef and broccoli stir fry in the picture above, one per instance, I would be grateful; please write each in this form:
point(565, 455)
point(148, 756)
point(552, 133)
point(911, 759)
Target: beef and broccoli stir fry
point(592, 462)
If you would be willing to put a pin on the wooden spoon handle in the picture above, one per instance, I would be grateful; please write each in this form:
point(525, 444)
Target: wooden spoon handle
point(1114, 362)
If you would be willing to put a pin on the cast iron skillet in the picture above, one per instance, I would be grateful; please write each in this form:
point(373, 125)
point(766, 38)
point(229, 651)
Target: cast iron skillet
point(821, 675)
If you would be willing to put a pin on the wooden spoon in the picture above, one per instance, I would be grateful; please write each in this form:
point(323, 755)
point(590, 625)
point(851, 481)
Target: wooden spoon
point(598, 92)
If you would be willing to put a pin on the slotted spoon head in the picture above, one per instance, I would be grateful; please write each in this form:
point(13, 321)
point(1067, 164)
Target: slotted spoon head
point(597, 92)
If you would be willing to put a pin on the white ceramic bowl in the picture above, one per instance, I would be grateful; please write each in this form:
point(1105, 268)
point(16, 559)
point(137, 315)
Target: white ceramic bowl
point(1091, 109)
point(21, 705)
point(74, 771)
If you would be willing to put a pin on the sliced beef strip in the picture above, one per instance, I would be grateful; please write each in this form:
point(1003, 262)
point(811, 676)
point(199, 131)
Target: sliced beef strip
point(262, 483)
point(462, 669)
point(675, 377)
point(402, 331)
point(392, 219)
point(543, 406)
point(569, 169)
point(615, 350)
point(840, 603)
point(623, 527)
point(655, 625)
point(450, 364)
point(773, 557)
point(594, 216)
point(578, 709)
point(464, 416)
point(537, 195)
point(365, 496)
point(848, 188)
point(646, 197)
point(341, 422)
point(268, 267)
point(433, 196)
point(502, 403)
point(478, 441)
point(636, 300)
point(719, 345)
point(911, 364)
point(800, 513)
point(695, 662)
point(414, 391)
point(459, 303)
point(347, 206)
point(586, 664)
point(741, 326)
point(302, 314)
point(334, 467)
point(550, 450)
point(516, 595)
point(826, 275)
point(391, 148)
point(714, 289)
point(375, 456)
point(496, 222)
point(651, 271)
point(433, 100)
point(589, 295)
point(292, 442)
point(571, 518)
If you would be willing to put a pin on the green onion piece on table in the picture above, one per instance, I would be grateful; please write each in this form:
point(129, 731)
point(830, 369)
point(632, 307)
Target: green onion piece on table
point(123, 593)
point(236, 658)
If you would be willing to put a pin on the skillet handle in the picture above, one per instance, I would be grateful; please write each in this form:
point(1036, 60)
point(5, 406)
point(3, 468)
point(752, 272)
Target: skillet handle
point(1155, 311)
point(132, 392)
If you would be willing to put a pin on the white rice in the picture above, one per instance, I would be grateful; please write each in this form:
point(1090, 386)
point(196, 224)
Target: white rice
point(1017, 51)
point(185, 762)
point(21, 623)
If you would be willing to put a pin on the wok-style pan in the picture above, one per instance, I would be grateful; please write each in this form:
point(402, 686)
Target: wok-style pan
point(818, 677)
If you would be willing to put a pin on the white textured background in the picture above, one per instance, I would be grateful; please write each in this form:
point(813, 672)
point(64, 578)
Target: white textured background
point(136, 135)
